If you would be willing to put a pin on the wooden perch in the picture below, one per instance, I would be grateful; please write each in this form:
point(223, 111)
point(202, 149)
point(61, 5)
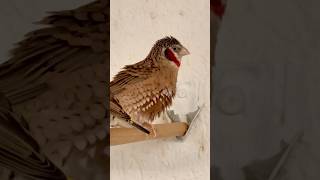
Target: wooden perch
point(129, 135)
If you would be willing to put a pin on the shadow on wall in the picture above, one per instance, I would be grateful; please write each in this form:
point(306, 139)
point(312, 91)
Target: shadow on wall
point(265, 100)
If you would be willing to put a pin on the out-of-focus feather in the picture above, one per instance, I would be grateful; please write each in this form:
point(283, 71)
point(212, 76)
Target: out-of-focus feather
point(19, 151)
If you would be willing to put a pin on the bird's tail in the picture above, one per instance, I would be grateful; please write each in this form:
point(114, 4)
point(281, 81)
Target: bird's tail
point(117, 111)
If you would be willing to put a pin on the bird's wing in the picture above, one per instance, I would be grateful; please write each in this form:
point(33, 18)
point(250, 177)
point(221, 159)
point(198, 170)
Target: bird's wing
point(19, 151)
point(129, 76)
point(72, 40)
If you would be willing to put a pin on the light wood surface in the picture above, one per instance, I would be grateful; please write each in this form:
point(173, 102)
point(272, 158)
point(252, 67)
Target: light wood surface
point(129, 135)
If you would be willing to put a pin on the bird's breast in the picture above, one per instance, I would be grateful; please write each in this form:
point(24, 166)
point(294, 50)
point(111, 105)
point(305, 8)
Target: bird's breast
point(147, 99)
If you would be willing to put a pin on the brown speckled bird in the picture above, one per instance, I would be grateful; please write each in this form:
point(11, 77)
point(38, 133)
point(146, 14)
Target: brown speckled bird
point(142, 91)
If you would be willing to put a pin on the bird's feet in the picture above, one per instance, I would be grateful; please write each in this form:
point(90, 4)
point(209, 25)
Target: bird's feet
point(151, 128)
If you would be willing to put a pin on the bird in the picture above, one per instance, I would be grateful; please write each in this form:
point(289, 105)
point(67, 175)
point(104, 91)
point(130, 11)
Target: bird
point(56, 79)
point(142, 91)
point(19, 150)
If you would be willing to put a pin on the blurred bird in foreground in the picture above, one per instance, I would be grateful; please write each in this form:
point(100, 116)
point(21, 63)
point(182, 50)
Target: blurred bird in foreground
point(144, 90)
point(56, 79)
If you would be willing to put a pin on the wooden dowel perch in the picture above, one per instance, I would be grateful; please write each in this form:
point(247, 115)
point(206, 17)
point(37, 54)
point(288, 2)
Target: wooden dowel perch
point(129, 135)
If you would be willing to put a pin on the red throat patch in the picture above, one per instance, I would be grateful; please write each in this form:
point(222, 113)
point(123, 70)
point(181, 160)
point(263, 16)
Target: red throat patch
point(171, 56)
point(217, 7)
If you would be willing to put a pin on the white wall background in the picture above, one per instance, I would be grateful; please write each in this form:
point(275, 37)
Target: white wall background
point(135, 26)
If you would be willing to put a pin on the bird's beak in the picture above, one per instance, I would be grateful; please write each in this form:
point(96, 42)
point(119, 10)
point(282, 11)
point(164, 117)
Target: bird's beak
point(184, 51)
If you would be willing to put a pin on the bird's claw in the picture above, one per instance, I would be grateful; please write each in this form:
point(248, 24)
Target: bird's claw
point(151, 128)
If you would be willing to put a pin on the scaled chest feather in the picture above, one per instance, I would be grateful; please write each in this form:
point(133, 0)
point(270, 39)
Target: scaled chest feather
point(145, 100)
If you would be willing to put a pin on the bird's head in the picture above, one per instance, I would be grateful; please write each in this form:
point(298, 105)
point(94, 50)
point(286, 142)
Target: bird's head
point(170, 49)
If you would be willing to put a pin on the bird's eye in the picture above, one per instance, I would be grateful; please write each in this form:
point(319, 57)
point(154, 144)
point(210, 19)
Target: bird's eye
point(175, 49)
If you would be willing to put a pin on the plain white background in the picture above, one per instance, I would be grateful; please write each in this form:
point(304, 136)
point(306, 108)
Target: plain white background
point(135, 26)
